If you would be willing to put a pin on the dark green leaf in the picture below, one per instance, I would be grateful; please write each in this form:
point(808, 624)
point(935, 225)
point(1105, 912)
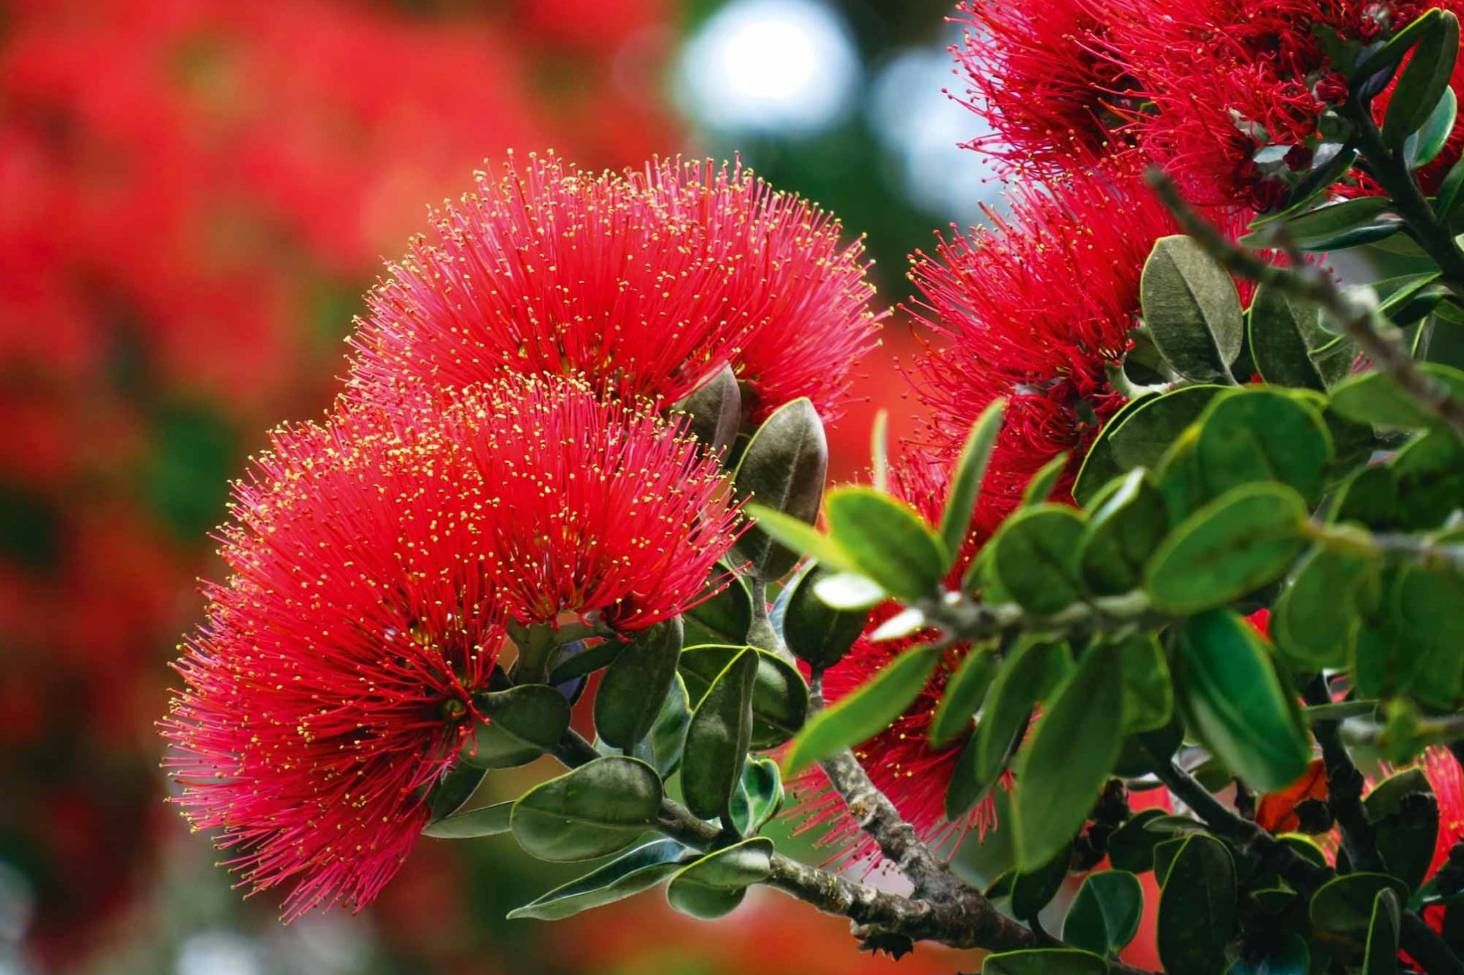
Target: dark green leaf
point(1131, 846)
point(492, 747)
point(783, 468)
point(455, 787)
point(635, 685)
point(1121, 535)
point(714, 411)
point(965, 789)
point(1035, 556)
point(1028, 674)
point(483, 821)
point(728, 614)
point(534, 714)
point(718, 738)
point(887, 541)
point(1044, 961)
point(1033, 889)
point(1191, 309)
point(1236, 703)
point(1290, 957)
point(1197, 907)
point(1448, 198)
point(1041, 486)
point(1334, 226)
point(1105, 914)
point(1099, 466)
point(1232, 546)
point(779, 695)
point(635, 871)
point(715, 884)
point(1405, 842)
point(1345, 904)
point(1063, 767)
point(865, 713)
point(668, 735)
point(1423, 81)
point(569, 667)
point(1392, 51)
point(759, 795)
point(966, 476)
point(963, 695)
point(1263, 434)
point(1424, 145)
point(1284, 333)
point(1430, 476)
point(593, 810)
point(813, 630)
point(1314, 622)
point(1374, 398)
point(1381, 957)
point(1144, 436)
point(1148, 693)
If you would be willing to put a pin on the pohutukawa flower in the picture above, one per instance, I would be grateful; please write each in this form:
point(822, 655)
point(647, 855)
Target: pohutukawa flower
point(1035, 310)
point(1044, 78)
point(644, 283)
point(374, 562)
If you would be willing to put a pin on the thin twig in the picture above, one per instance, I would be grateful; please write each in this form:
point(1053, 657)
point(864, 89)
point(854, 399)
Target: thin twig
point(1344, 787)
point(1360, 322)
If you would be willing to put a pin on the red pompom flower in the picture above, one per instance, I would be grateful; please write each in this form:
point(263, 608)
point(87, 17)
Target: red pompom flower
point(374, 562)
point(644, 283)
point(1035, 311)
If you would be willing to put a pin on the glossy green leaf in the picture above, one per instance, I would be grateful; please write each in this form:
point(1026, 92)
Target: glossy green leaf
point(718, 738)
point(1197, 908)
point(636, 683)
point(1121, 535)
point(1383, 929)
point(455, 788)
point(1314, 622)
point(1372, 397)
point(1290, 957)
point(849, 592)
point(965, 789)
point(1148, 691)
point(1423, 146)
point(1335, 226)
point(639, 869)
point(1448, 199)
point(779, 695)
point(1099, 466)
point(967, 475)
point(866, 712)
point(715, 884)
point(1284, 333)
point(594, 810)
point(668, 735)
point(1035, 556)
point(783, 469)
point(535, 714)
point(572, 666)
point(727, 615)
point(1345, 904)
point(1131, 846)
point(492, 747)
point(1236, 703)
point(1392, 51)
point(483, 821)
point(816, 632)
point(1064, 766)
point(1423, 80)
point(1029, 673)
point(1429, 472)
point(1044, 482)
point(799, 537)
point(887, 541)
point(1405, 842)
point(1033, 889)
point(1237, 543)
point(1144, 436)
point(963, 695)
point(1263, 434)
point(759, 795)
point(1105, 914)
point(1044, 961)
point(714, 410)
point(1191, 309)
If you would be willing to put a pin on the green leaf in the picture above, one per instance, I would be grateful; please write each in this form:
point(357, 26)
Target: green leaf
point(1262, 434)
point(1430, 476)
point(534, 714)
point(668, 735)
point(1290, 957)
point(848, 592)
point(1345, 904)
point(492, 747)
point(1423, 80)
point(1131, 846)
point(570, 666)
point(714, 411)
point(1423, 146)
point(1381, 957)
point(718, 738)
point(1448, 198)
point(1148, 693)
point(782, 469)
point(759, 795)
point(965, 789)
point(799, 537)
point(887, 542)
point(816, 632)
point(1099, 466)
point(1405, 842)
point(594, 810)
point(1028, 674)
point(1232, 546)
point(1373, 397)
point(1284, 333)
point(1064, 766)
point(483, 821)
point(1336, 226)
point(1191, 309)
point(966, 476)
point(1033, 889)
point(1236, 703)
point(1197, 907)
point(628, 874)
point(714, 885)
point(1314, 622)
point(963, 695)
point(879, 452)
point(728, 614)
point(1035, 556)
point(456, 787)
point(1044, 961)
point(1392, 51)
point(636, 683)
point(1042, 484)
point(779, 695)
point(1121, 535)
point(1144, 436)
point(859, 716)
point(1105, 914)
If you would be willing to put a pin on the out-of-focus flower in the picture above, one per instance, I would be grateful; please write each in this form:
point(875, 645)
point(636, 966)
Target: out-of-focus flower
point(1035, 310)
point(374, 562)
point(643, 282)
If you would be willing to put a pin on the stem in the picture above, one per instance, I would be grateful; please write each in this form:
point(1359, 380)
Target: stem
point(1395, 546)
point(1361, 323)
point(1344, 787)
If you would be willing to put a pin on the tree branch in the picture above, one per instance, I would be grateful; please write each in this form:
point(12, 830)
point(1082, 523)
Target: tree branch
point(1360, 322)
point(1344, 787)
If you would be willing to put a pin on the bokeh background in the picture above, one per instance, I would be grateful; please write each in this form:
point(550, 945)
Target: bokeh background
point(193, 196)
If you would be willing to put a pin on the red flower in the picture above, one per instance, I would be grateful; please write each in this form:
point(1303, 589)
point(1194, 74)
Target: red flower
point(1043, 77)
point(373, 564)
point(1036, 310)
point(1447, 782)
point(644, 283)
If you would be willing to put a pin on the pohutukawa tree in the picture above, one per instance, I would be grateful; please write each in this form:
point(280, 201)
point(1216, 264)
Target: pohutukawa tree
point(1182, 525)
